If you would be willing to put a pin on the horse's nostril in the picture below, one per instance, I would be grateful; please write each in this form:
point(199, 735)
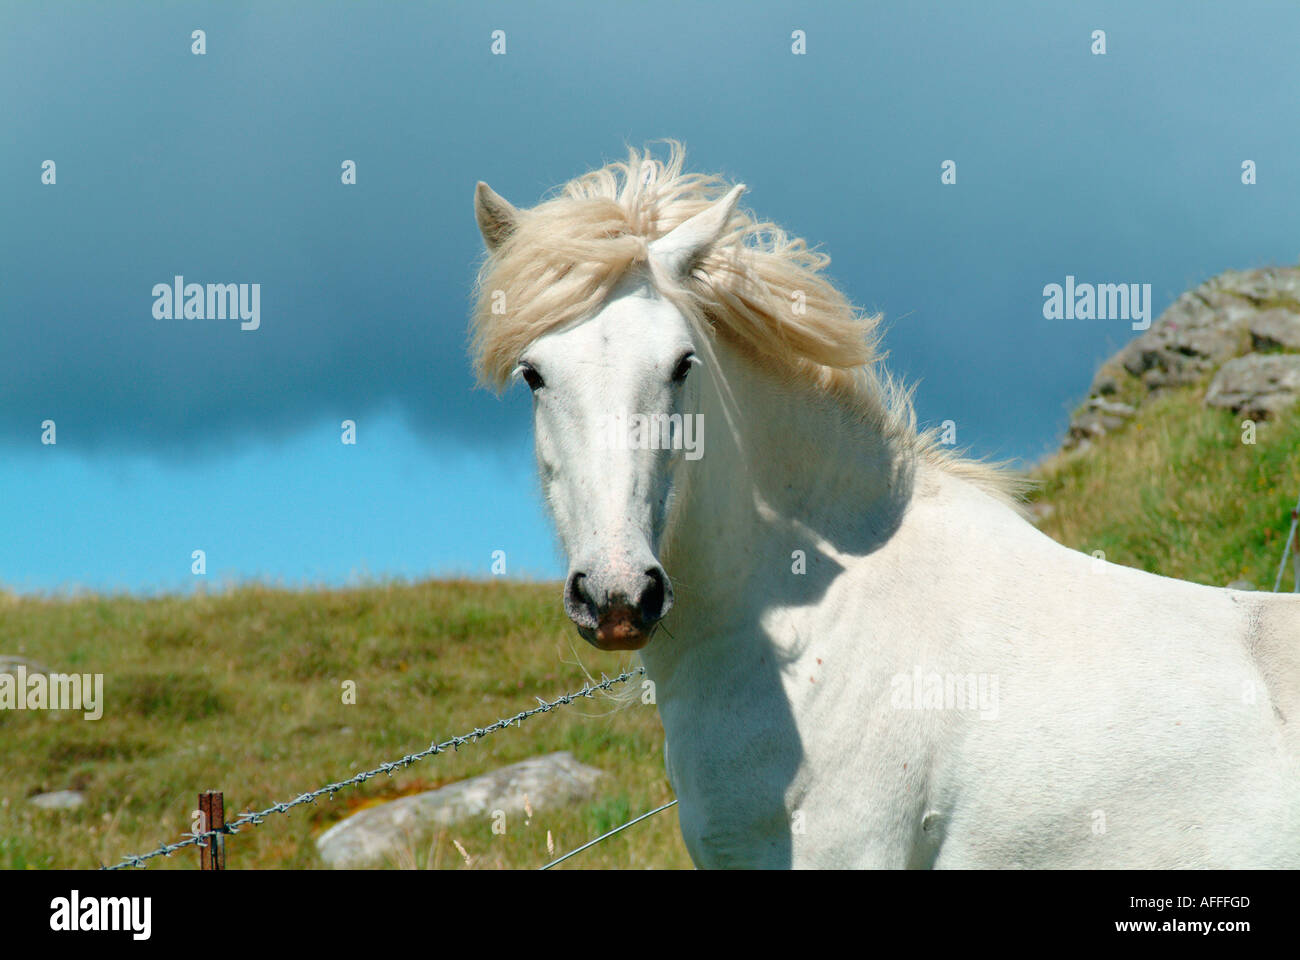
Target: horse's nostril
point(656, 597)
point(578, 603)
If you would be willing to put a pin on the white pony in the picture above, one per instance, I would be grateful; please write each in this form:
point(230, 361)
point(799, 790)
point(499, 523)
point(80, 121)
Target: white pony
point(872, 659)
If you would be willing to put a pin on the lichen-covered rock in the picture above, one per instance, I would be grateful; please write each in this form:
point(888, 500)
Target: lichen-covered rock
point(1099, 417)
point(1257, 385)
point(1194, 342)
point(1275, 329)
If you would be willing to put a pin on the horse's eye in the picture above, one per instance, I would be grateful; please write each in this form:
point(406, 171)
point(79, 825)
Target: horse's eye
point(531, 377)
point(683, 367)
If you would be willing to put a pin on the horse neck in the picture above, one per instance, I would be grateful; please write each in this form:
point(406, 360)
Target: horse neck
point(785, 468)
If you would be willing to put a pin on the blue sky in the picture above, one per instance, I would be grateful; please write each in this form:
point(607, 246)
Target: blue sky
point(177, 435)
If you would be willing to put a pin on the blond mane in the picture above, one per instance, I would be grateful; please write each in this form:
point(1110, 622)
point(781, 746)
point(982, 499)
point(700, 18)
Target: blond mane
point(758, 288)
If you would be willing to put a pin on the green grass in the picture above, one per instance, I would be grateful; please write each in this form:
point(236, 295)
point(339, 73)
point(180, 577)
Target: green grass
point(242, 691)
point(1177, 492)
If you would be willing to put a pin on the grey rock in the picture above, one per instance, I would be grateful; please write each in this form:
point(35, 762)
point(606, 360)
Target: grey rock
point(1257, 385)
point(1200, 338)
point(1220, 307)
point(1212, 344)
point(1202, 328)
point(1154, 380)
point(1098, 418)
point(1111, 408)
point(1241, 585)
point(1138, 357)
point(1267, 283)
point(1087, 424)
point(1275, 328)
point(375, 836)
point(1160, 379)
point(58, 800)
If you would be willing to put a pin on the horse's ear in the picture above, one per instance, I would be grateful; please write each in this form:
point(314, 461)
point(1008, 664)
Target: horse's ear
point(683, 244)
point(495, 215)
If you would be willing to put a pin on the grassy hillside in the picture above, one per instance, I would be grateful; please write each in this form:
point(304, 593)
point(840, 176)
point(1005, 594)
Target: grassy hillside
point(242, 691)
point(1177, 492)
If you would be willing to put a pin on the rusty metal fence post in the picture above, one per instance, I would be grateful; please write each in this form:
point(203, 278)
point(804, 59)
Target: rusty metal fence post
point(212, 810)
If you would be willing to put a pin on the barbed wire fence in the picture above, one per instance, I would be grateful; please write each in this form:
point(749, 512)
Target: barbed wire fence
point(606, 836)
point(219, 830)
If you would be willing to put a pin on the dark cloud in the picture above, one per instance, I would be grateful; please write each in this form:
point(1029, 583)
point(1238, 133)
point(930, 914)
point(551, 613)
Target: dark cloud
point(183, 165)
point(225, 169)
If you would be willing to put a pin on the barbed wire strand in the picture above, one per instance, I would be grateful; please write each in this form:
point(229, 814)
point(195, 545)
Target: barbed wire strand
point(1286, 550)
point(603, 836)
point(454, 743)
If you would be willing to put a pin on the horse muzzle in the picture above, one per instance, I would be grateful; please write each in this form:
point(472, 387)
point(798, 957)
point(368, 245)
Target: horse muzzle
point(618, 616)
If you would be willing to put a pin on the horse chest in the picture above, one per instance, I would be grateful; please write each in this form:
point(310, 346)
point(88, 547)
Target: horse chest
point(770, 774)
